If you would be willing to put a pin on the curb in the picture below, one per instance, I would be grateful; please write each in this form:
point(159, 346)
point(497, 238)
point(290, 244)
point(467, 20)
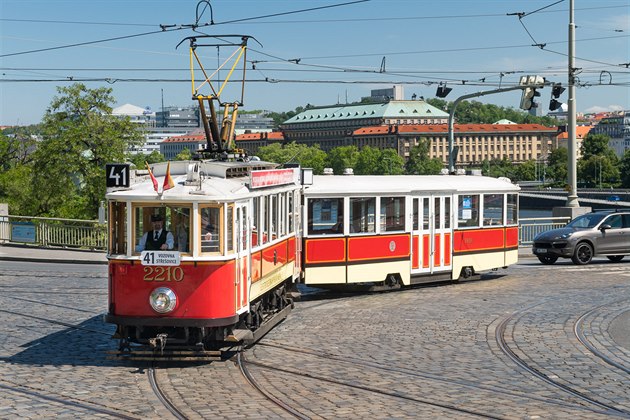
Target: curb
point(50, 260)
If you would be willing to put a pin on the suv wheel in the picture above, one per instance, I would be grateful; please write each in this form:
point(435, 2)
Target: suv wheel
point(547, 260)
point(615, 258)
point(583, 254)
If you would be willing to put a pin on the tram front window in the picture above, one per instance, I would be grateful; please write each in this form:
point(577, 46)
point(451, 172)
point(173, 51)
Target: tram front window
point(162, 227)
point(211, 229)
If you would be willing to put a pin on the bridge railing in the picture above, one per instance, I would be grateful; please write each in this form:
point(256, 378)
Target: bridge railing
point(51, 231)
point(528, 228)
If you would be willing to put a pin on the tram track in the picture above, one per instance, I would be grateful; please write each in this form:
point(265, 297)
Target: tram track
point(241, 362)
point(372, 390)
point(578, 330)
point(166, 402)
point(501, 341)
point(416, 374)
point(65, 401)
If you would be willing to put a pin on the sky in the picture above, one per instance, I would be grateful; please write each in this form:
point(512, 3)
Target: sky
point(318, 52)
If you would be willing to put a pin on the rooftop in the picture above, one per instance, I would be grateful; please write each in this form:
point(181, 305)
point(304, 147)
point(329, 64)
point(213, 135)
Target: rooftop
point(391, 109)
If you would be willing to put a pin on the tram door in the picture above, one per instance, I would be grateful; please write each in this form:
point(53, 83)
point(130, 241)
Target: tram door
point(432, 234)
point(243, 257)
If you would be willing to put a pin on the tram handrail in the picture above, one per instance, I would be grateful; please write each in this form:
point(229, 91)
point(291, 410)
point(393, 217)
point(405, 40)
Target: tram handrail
point(53, 232)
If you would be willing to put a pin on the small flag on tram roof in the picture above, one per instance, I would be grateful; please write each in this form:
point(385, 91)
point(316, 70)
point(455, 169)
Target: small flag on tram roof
point(155, 183)
point(168, 180)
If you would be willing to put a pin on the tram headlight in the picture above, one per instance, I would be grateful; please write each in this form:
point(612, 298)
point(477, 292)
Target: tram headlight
point(163, 300)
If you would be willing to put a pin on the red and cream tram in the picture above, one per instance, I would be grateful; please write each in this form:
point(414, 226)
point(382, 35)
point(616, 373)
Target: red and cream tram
point(399, 230)
point(225, 266)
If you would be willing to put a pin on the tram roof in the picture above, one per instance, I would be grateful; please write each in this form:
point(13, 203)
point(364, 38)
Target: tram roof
point(406, 184)
point(218, 181)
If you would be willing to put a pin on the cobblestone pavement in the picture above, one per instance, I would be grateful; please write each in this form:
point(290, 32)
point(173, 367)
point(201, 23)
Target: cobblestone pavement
point(425, 352)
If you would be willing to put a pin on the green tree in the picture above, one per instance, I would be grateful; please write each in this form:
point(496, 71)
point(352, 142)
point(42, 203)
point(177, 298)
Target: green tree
point(599, 165)
point(184, 155)
point(390, 163)
point(557, 166)
point(368, 161)
point(419, 162)
point(624, 169)
point(343, 157)
point(308, 157)
point(525, 171)
point(79, 137)
point(140, 159)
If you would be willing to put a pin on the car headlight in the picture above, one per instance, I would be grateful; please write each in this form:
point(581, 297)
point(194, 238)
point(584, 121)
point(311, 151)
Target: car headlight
point(566, 235)
point(163, 300)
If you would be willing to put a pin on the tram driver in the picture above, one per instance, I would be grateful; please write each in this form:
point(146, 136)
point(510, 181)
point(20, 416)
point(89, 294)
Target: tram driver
point(157, 238)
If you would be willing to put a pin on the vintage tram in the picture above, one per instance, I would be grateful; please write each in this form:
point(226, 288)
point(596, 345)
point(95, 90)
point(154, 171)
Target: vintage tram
point(223, 272)
point(388, 231)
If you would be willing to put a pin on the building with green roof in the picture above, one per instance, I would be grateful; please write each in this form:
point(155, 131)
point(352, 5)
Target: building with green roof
point(332, 126)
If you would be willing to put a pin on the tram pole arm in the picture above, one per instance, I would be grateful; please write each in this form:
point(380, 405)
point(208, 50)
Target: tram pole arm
point(451, 116)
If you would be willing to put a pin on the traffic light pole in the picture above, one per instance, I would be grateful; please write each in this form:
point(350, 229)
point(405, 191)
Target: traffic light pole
point(451, 116)
point(572, 198)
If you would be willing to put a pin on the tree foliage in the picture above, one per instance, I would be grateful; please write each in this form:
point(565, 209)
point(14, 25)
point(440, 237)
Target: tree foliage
point(419, 162)
point(140, 159)
point(599, 165)
point(468, 112)
point(305, 156)
point(342, 157)
point(557, 166)
point(79, 136)
point(624, 169)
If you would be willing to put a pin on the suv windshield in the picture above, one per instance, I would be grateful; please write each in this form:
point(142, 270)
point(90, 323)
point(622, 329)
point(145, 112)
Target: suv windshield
point(586, 221)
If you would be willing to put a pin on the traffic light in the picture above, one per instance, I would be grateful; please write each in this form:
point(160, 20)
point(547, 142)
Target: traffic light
point(443, 91)
point(529, 93)
point(556, 91)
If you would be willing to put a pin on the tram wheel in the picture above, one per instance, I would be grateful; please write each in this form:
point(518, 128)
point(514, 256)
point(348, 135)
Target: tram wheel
point(547, 260)
point(583, 254)
point(615, 258)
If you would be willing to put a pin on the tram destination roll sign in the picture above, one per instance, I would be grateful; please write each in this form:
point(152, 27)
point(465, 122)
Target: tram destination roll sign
point(160, 258)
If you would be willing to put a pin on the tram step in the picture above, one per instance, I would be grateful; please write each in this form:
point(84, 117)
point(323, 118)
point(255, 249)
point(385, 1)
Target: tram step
point(240, 335)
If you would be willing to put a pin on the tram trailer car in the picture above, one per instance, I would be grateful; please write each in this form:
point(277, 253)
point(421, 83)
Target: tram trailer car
point(234, 260)
point(392, 231)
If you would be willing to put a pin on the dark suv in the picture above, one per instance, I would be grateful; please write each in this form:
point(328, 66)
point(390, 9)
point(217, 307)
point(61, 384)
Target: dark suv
point(600, 233)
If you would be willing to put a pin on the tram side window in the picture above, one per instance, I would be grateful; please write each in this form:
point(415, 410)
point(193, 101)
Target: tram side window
point(117, 228)
point(255, 221)
point(362, 215)
point(447, 212)
point(230, 228)
point(512, 209)
point(392, 214)
point(325, 216)
point(468, 210)
point(273, 226)
point(211, 229)
point(170, 224)
point(265, 220)
point(291, 215)
point(415, 214)
point(425, 213)
point(492, 209)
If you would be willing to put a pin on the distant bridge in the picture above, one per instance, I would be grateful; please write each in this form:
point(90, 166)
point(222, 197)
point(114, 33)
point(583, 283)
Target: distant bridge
point(584, 197)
